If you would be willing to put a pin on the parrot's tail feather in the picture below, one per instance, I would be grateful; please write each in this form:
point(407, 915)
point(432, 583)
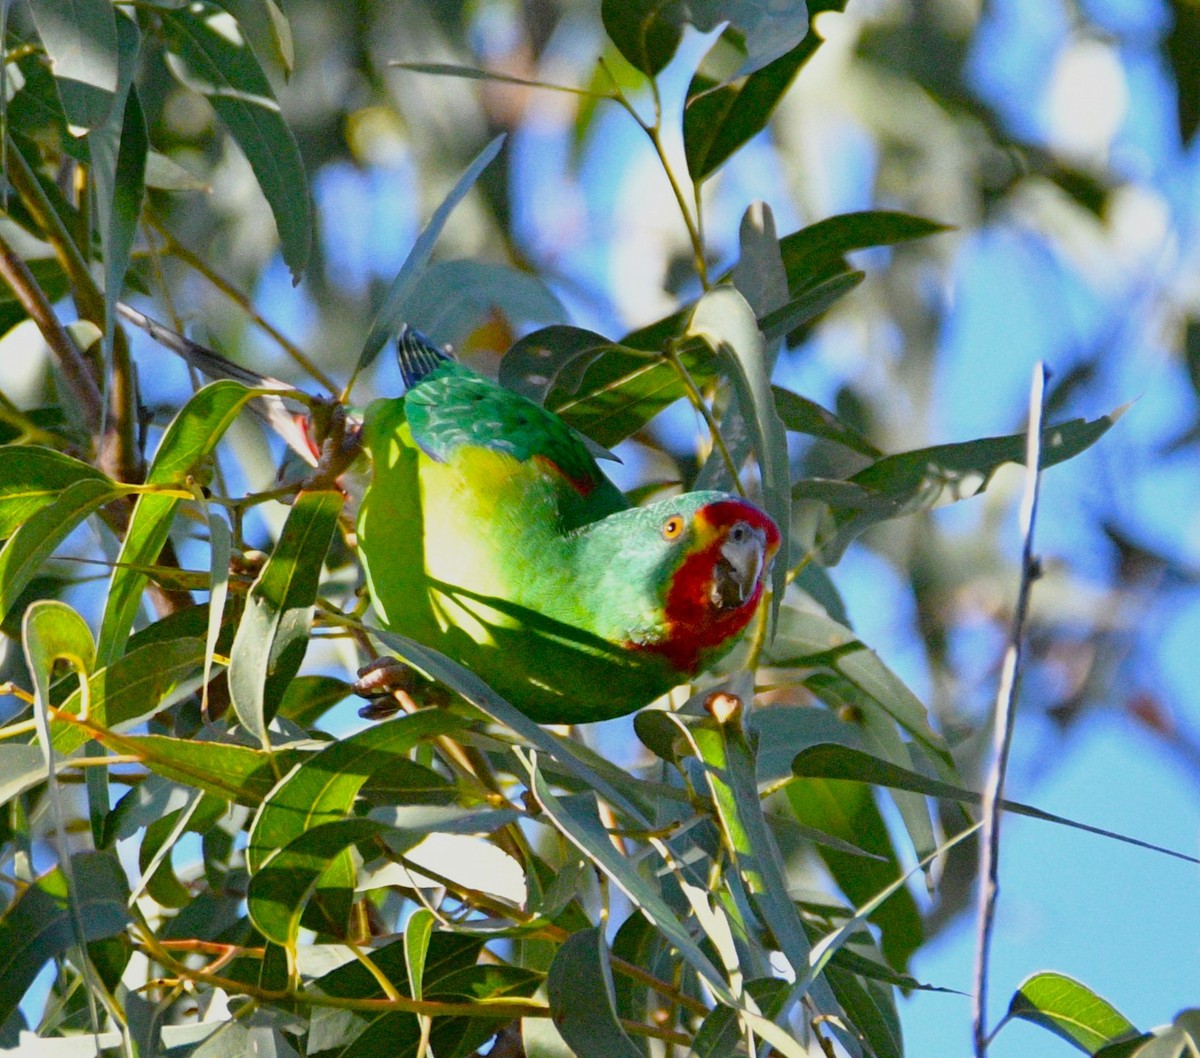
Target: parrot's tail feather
point(417, 354)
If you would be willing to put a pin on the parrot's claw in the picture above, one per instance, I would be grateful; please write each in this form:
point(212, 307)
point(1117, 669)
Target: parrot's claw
point(392, 687)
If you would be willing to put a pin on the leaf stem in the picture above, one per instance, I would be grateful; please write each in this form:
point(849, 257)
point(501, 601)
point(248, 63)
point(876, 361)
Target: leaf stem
point(701, 405)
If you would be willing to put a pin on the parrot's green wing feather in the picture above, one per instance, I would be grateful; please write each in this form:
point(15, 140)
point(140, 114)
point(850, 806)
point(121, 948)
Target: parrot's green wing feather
point(453, 409)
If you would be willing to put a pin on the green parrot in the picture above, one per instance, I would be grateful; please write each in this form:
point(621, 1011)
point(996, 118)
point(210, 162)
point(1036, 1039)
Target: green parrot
point(489, 533)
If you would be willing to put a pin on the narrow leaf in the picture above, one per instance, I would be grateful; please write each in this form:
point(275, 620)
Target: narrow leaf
point(33, 477)
point(223, 68)
point(842, 762)
point(273, 634)
point(39, 924)
point(395, 303)
point(187, 441)
point(133, 688)
point(80, 37)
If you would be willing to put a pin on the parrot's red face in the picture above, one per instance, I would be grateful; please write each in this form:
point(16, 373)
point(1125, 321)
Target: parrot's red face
point(716, 589)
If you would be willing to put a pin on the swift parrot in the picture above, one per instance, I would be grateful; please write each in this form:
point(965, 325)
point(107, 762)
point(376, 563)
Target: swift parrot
point(489, 533)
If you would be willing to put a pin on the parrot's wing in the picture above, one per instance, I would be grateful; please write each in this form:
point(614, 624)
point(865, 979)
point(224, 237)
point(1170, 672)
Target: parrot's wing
point(453, 408)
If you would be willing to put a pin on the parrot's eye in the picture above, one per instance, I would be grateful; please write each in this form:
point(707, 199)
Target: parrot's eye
point(672, 527)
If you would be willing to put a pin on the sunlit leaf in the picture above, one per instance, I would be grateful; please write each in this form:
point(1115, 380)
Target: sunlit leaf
point(32, 477)
point(132, 688)
point(273, 634)
point(1070, 1010)
point(35, 541)
point(188, 440)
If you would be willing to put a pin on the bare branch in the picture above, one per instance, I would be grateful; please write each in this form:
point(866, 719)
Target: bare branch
point(1006, 701)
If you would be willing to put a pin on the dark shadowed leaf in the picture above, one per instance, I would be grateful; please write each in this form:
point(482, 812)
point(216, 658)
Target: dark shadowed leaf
point(847, 763)
point(38, 925)
point(582, 1000)
point(721, 117)
point(929, 477)
point(646, 32)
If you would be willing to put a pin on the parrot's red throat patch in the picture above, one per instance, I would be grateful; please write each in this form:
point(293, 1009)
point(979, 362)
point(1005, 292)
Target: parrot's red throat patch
point(697, 622)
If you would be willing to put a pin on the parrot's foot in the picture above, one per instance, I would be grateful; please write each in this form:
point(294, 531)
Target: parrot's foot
point(392, 687)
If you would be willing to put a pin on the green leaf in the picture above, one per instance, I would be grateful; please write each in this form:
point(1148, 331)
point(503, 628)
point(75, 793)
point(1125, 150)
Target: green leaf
point(720, 117)
point(870, 1008)
point(471, 73)
point(729, 769)
point(233, 773)
point(223, 68)
point(845, 762)
point(273, 634)
point(929, 477)
point(573, 758)
point(450, 974)
point(555, 358)
point(646, 32)
point(324, 788)
point(1070, 1010)
point(133, 688)
point(811, 640)
point(808, 305)
point(307, 698)
point(266, 30)
point(21, 766)
point(416, 948)
point(814, 254)
point(32, 477)
point(186, 443)
point(80, 37)
point(38, 926)
point(392, 312)
point(576, 818)
point(279, 892)
point(1181, 46)
point(582, 999)
point(801, 415)
point(118, 150)
point(34, 542)
point(851, 815)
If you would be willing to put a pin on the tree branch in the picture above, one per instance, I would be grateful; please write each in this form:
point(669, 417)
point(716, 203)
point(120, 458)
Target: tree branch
point(1006, 703)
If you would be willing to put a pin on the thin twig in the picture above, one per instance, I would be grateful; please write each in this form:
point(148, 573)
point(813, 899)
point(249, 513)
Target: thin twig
point(1006, 701)
point(176, 249)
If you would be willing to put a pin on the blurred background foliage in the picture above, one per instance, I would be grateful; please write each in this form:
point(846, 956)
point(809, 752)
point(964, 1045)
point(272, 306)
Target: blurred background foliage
point(1057, 138)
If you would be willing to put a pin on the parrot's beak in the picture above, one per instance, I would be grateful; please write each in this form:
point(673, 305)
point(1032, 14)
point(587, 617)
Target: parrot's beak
point(735, 577)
